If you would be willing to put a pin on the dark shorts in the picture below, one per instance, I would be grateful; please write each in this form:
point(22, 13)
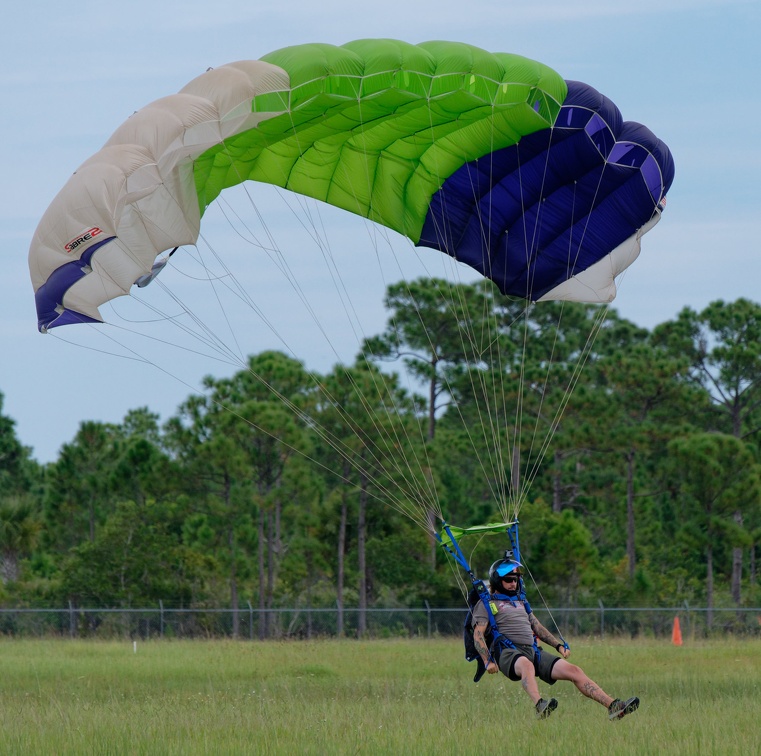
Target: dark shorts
point(542, 667)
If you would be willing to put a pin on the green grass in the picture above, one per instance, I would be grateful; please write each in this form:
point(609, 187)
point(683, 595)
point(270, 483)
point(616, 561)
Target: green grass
point(377, 697)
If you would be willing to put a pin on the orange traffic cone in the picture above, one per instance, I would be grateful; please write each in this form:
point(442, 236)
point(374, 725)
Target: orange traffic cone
point(676, 633)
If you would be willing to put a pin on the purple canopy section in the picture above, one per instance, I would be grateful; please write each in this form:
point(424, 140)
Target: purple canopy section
point(533, 215)
point(48, 298)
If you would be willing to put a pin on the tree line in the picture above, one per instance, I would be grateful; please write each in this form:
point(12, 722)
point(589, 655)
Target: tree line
point(279, 486)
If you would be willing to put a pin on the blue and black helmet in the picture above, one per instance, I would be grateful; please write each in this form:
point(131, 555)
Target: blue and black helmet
point(503, 567)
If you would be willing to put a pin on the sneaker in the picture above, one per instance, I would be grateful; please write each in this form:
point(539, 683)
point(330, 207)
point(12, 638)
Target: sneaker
point(545, 708)
point(618, 709)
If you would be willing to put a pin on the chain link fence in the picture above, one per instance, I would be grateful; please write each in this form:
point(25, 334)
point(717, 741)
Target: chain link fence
point(258, 624)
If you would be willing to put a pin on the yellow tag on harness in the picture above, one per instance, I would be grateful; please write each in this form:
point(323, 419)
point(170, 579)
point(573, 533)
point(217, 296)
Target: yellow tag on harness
point(493, 607)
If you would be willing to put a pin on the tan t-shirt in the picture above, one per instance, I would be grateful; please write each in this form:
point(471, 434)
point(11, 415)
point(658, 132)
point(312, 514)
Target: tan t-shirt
point(512, 620)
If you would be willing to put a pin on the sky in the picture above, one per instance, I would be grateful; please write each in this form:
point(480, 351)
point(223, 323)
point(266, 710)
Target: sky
point(73, 72)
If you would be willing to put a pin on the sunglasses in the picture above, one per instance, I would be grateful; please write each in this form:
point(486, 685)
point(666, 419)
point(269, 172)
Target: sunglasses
point(510, 578)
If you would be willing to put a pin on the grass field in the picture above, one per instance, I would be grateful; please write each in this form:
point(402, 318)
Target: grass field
point(375, 697)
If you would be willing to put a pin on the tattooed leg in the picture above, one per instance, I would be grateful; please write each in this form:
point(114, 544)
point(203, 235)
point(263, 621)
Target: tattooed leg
point(525, 669)
point(564, 670)
point(592, 690)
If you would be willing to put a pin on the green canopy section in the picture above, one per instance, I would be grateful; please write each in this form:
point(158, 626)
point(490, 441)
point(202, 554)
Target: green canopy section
point(492, 528)
point(376, 126)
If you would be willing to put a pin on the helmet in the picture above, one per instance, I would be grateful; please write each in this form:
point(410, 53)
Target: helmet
point(500, 568)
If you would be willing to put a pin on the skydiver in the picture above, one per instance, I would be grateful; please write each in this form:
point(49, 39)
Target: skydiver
point(522, 659)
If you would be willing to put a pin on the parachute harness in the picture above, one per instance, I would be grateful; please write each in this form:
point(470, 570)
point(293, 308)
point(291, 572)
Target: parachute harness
point(480, 592)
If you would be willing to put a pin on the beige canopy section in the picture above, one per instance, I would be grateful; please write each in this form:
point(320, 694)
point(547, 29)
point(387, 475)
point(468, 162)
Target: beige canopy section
point(135, 198)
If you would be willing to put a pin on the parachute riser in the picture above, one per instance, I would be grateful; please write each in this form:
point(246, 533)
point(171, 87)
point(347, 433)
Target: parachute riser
point(512, 534)
point(456, 552)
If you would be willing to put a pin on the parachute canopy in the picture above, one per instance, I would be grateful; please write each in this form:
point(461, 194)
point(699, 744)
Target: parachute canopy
point(537, 183)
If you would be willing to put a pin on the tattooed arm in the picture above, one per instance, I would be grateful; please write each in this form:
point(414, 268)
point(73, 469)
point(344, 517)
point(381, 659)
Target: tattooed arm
point(546, 636)
point(479, 639)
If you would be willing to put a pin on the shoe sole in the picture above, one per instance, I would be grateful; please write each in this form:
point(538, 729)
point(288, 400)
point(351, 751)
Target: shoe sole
point(630, 707)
